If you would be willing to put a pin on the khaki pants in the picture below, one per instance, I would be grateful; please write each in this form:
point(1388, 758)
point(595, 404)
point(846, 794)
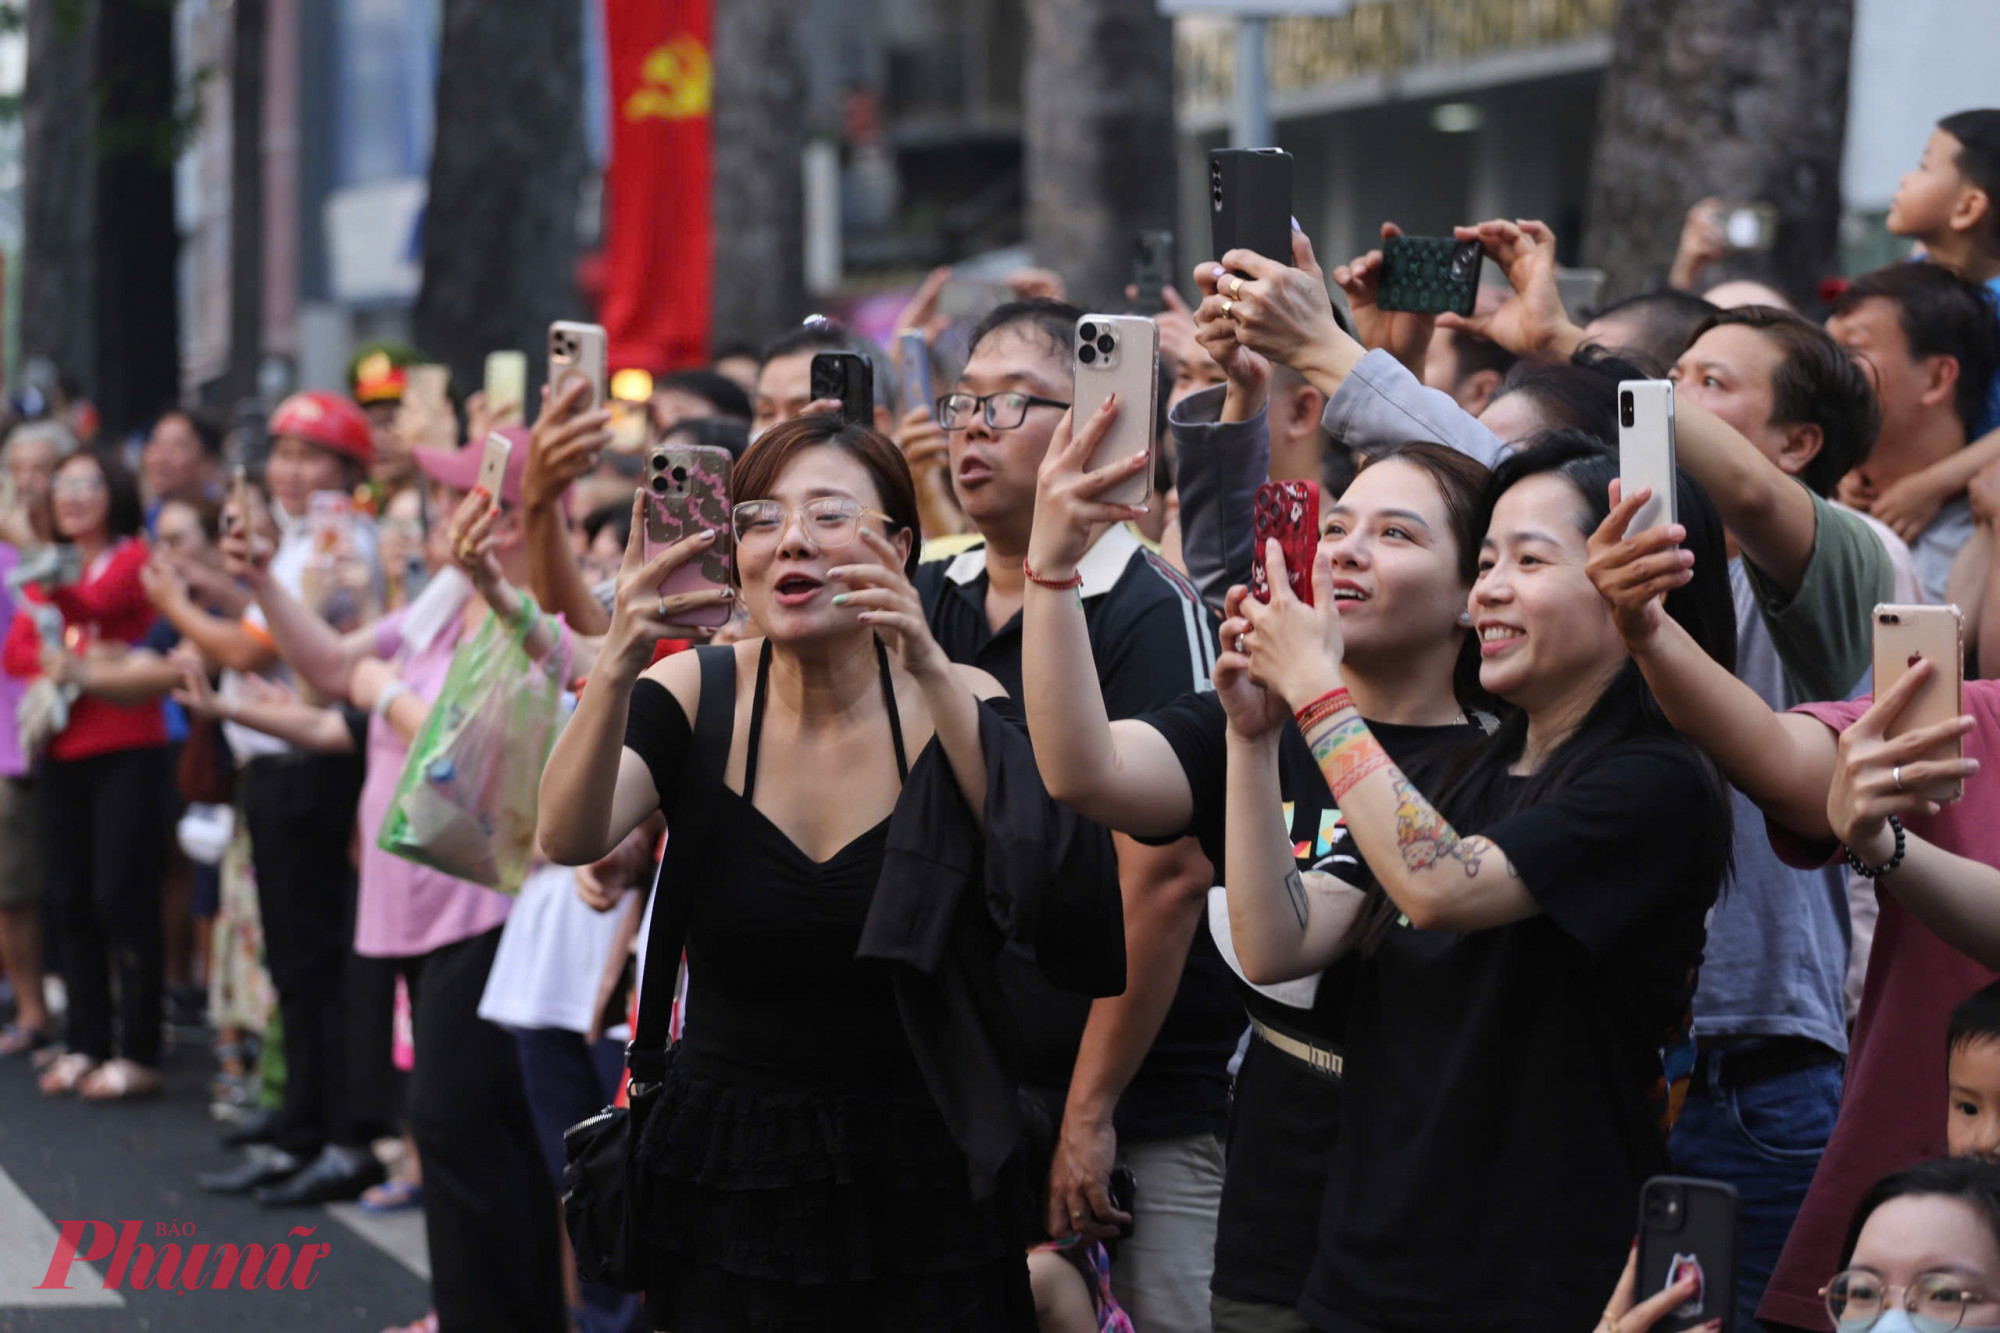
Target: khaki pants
point(1161, 1275)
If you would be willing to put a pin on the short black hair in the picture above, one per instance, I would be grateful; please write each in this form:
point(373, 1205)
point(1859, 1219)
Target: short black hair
point(1817, 383)
point(1580, 394)
point(820, 334)
point(1977, 1018)
point(1941, 314)
point(1978, 135)
point(206, 427)
point(1052, 322)
point(1477, 353)
point(1668, 320)
point(724, 351)
point(1973, 1181)
point(720, 392)
point(617, 516)
point(717, 432)
point(125, 512)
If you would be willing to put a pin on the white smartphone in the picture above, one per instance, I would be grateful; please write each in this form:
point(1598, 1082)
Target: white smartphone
point(577, 350)
point(506, 385)
point(1119, 354)
point(1646, 448)
point(493, 463)
point(1904, 636)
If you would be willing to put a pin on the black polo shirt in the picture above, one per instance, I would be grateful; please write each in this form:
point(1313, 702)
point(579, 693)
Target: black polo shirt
point(1154, 641)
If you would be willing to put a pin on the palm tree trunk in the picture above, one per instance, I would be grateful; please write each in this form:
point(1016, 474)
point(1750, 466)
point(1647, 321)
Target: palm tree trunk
point(759, 138)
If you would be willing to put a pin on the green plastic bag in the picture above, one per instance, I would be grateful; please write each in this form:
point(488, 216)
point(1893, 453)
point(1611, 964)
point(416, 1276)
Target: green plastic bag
point(467, 800)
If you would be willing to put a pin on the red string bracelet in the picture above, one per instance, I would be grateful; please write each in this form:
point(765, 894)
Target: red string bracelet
point(1322, 708)
point(1075, 580)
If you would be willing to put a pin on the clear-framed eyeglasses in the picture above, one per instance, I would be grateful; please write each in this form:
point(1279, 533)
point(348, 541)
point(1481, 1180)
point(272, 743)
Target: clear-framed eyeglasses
point(1936, 1301)
point(831, 520)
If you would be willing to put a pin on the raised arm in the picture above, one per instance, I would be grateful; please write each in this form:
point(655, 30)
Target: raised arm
point(1123, 775)
point(1770, 514)
point(564, 445)
point(224, 642)
point(134, 676)
point(278, 713)
point(322, 656)
point(1783, 763)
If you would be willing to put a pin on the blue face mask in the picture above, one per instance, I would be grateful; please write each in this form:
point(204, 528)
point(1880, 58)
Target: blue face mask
point(1896, 1319)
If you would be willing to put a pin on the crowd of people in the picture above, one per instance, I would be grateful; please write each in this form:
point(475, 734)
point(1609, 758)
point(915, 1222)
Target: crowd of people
point(1065, 938)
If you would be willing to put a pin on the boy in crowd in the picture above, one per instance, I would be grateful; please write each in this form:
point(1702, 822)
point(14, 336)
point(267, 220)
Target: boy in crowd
point(1142, 1077)
point(1972, 1117)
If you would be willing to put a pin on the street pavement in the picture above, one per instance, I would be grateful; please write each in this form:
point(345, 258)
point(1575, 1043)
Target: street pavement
point(61, 1160)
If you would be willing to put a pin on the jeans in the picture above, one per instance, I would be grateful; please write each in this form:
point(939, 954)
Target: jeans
point(1765, 1139)
point(1161, 1274)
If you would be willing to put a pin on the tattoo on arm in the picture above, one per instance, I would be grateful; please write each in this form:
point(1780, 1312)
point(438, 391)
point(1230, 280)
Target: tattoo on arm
point(1428, 840)
point(1295, 889)
point(1346, 753)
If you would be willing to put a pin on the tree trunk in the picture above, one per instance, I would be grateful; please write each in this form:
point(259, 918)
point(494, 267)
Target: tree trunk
point(759, 143)
point(1097, 98)
point(249, 33)
point(138, 237)
point(500, 228)
point(59, 187)
point(1743, 99)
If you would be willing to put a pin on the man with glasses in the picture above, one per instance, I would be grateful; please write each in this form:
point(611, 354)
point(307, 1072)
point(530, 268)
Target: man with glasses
point(1141, 1078)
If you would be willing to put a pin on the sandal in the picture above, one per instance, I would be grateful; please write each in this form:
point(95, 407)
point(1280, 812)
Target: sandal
point(65, 1072)
point(22, 1041)
point(393, 1196)
point(120, 1080)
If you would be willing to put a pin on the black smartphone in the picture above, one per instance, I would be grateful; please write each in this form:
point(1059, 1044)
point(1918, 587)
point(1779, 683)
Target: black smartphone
point(1123, 1187)
point(850, 377)
point(1429, 275)
point(1688, 1227)
point(1152, 266)
point(1250, 201)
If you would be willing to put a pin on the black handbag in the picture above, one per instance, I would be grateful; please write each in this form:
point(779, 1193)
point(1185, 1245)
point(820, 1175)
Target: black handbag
point(604, 1185)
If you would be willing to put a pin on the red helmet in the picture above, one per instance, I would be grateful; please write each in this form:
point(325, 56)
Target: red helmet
point(327, 420)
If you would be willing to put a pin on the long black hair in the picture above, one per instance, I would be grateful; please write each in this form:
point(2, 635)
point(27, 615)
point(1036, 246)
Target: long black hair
point(1625, 709)
point(1973, 1181)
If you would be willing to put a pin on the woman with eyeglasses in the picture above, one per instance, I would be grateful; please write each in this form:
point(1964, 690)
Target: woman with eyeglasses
point(854, 830)
point(103, 788)
point(1922, 1253)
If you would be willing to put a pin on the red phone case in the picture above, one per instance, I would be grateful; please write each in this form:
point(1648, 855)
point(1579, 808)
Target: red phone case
point(1289, 511)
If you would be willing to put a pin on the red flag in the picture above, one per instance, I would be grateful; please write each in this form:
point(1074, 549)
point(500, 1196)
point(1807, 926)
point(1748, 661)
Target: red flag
point(657, 234)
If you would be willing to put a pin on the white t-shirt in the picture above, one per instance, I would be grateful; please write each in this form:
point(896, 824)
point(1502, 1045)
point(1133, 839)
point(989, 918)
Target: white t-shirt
point(552, 952)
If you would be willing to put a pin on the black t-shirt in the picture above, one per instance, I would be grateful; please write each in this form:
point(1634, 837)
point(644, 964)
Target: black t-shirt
point(1284, 1121)
point(1153, 640)
point(1506, 1089)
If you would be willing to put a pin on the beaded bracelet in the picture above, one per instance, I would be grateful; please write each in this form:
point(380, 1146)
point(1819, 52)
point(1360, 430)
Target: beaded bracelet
point(1075, 580)
point(1322, 708)
point(1876, 872)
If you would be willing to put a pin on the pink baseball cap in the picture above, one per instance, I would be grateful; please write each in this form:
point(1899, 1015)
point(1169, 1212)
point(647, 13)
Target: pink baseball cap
point(459, 468)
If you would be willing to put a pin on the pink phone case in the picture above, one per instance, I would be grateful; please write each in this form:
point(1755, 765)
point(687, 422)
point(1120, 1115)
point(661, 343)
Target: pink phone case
point(687, 491)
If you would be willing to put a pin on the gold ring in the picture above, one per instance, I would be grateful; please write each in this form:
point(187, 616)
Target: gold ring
point(1227, 305)
point(466, 554)
point(1611, 1321)
point(1237, 290)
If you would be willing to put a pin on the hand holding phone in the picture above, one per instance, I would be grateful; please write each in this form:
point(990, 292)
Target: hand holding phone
point(1646, 449)
point(493, 465)
point(506, 387)
point(577, 353)
point(687, 491)
point(850, 378)
point(913, 363)
point(1904, 636)
point(239, 498)
point(1250, 202)
point(1289, 512)
point(1119, 354)
point(1688, 1232)
point(1428, 275)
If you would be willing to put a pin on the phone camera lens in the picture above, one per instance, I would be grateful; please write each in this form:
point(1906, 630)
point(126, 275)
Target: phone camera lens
point(1107, 344)
point(659, 485)
point(658, 463)
point(1087, 332)
point(680, 476)
point(1086, 354)
point(1625, 412)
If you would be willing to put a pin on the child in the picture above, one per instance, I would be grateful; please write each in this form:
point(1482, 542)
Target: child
point(1972, 1124)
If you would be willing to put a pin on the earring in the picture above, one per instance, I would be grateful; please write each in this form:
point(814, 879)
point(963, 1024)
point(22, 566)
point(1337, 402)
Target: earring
point(1465, 618)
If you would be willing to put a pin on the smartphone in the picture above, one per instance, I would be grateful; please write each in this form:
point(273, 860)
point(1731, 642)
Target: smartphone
point(1646, 448)
point(1429, 275)
point(1119, 354)
point(330, 525)
point(506, 386)
point(1288, 511)
point(428, 387)
point(493, 464)
point(577, 350)
point(687, 491)
point(1936, 634)
point(1123, 1188)
point(850, 377)
point(913, 363)
point(1749, 225)
point(1689, 1226)
point(239, 497)
point(1153, 265)
point(1250, 201)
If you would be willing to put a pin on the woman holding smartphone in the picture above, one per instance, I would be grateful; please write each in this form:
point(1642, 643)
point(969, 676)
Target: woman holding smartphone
point(1403, 539)
point(1528, 945)
point(815, 1159)
point(103, 792)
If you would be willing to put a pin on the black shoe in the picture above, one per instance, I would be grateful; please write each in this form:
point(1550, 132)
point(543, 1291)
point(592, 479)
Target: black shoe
point(257, 1127)
point(337, 1174)
point(265, 1166)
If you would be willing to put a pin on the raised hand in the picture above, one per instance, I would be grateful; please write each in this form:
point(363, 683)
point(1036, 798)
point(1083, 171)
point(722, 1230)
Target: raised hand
point(1403, 334)
point(1253, 711)
point(1249, 374)
point(1282, 311)
point(1701, 244)
point(1295, 649)
point(1067, 510)
point(1875, 777)
point(564, 445)
point(1531, 322)
point(473, 540)
point(884, 598)
point(1634, 574)
point(640, 615)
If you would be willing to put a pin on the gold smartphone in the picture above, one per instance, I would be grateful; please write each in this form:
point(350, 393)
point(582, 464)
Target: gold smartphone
point(1905, 635)
point(506, 386)
point(493, 463)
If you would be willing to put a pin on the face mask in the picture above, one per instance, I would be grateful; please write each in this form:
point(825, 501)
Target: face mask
point(1898, 1320)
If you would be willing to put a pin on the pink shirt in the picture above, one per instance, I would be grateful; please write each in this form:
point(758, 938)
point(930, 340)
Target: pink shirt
point(404, 908)
point(1892, 1110)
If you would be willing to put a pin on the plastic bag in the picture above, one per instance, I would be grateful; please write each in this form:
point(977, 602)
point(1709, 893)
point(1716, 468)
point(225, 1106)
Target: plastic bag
point(467, 800)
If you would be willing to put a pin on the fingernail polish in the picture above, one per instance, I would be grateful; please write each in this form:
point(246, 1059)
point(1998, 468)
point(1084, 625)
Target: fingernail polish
point(840, 599)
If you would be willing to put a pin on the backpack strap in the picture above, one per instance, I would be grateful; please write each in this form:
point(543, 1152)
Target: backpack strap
point(689, 823)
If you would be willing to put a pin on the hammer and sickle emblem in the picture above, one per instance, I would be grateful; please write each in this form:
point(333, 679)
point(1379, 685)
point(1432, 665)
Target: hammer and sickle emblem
point(674, 83)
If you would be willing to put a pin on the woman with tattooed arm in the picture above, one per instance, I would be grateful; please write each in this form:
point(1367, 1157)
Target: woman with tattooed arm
point(1529, 945)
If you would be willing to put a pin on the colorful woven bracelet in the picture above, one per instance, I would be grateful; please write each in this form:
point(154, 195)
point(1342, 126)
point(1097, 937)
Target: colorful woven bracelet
point(1322, 708)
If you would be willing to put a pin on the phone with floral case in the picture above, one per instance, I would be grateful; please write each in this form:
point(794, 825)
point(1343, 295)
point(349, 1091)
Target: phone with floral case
point(1288, 511)
point(687, 491)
